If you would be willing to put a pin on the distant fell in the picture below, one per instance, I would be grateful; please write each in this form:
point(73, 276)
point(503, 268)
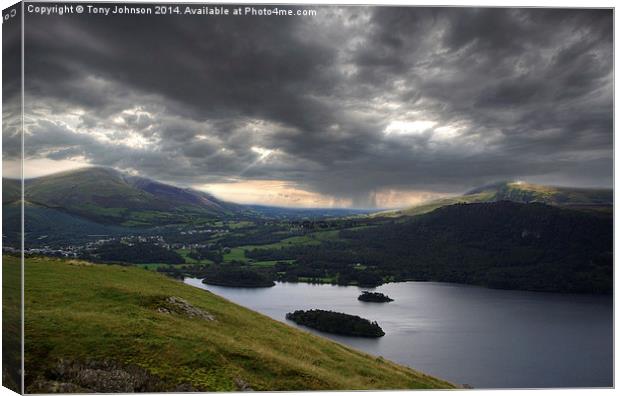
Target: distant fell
point(107, 196)
point(597, 200)
point(552, 195)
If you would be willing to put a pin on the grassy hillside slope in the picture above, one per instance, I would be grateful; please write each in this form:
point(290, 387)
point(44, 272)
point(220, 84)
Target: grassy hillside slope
point(85, 322)
point(11, 324)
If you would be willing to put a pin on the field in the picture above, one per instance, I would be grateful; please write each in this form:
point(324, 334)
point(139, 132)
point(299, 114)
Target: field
point(315, 238)
point(185, 254)
point(81, 314)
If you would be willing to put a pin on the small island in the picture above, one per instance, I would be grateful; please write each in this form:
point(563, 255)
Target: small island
point(336, 323)
point(367, 296)
point(236, 277)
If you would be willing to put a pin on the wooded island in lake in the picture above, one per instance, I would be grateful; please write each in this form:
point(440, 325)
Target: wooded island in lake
point(367, 296)
point(336, 322)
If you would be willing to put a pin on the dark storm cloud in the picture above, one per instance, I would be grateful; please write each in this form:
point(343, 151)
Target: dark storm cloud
point(347, 103)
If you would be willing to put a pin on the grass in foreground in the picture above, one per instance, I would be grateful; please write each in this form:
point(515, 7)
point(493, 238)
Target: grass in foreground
point(82, 312)
point(11, 323)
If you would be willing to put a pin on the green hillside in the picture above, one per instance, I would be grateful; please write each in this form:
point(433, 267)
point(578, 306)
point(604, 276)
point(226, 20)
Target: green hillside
point(106, 196)
point(111, 329)
point(49, 226)
point(11, 323)
point(587, 199)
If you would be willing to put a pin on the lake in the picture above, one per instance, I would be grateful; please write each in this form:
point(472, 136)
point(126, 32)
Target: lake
point(465, 334)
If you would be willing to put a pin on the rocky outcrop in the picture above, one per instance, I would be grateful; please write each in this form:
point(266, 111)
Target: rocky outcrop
point(182, 307)
point(242, 385)
point(100, 376)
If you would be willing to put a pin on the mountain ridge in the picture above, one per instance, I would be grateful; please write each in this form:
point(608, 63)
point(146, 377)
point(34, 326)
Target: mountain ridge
point(590, 199)
point(108, 196)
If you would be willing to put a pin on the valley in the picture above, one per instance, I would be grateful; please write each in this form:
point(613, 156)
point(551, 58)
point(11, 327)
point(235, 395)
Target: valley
point(506, 235)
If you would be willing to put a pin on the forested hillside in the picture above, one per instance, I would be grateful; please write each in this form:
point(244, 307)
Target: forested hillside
point(500, 244)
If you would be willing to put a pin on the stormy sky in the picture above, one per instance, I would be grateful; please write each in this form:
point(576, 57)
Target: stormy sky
point(357, 106)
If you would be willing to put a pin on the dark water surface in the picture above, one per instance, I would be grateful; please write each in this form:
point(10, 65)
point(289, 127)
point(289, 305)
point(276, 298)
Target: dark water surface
point(464, 334)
